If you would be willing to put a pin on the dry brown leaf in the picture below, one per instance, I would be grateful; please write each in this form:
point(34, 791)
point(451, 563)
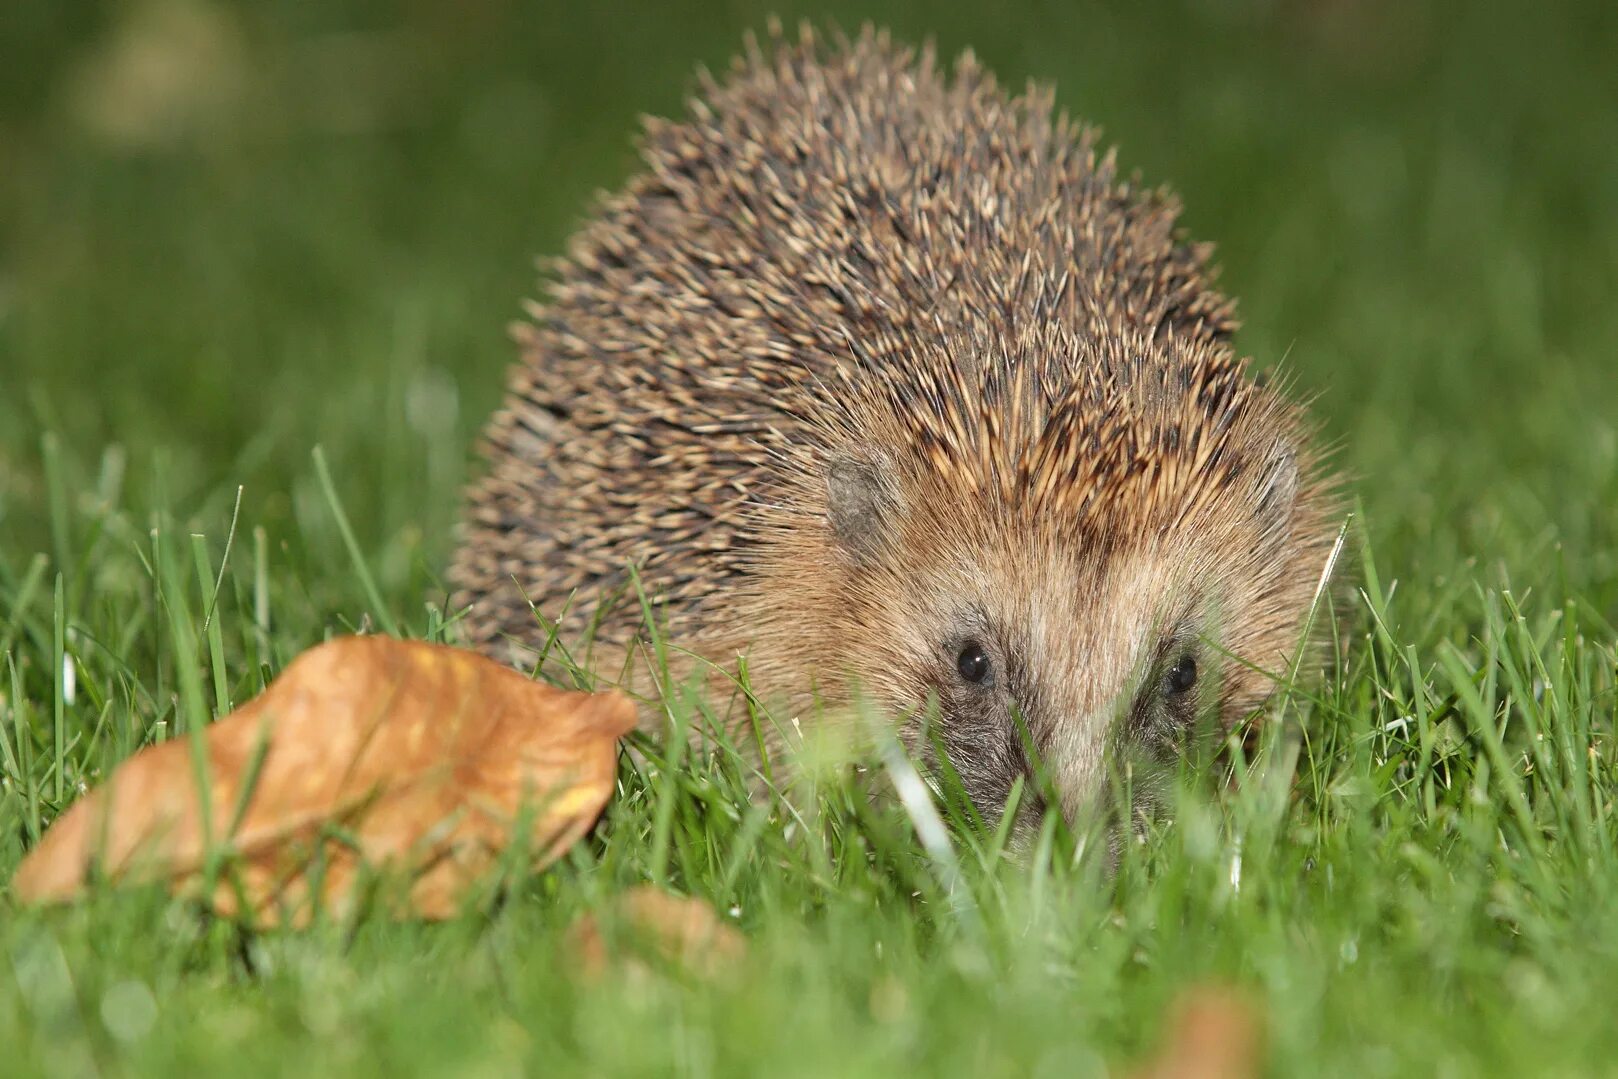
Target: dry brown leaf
point(1214, 1035)
point(675, 930)
point(366, 752)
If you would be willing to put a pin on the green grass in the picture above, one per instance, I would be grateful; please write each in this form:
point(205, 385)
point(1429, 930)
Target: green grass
point(317, 239)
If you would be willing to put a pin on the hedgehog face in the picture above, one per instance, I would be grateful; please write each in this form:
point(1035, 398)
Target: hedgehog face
point(1047, 646)
point(1075, 665)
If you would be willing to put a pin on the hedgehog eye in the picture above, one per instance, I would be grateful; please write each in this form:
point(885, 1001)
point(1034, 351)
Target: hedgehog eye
point(1181, 677)
point(973, 663)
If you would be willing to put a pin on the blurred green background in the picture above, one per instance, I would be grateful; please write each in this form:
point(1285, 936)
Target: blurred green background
point(230, 231)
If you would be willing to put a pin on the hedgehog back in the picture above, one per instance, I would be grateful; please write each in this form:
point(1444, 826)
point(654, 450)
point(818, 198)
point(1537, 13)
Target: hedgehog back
point(825, 227)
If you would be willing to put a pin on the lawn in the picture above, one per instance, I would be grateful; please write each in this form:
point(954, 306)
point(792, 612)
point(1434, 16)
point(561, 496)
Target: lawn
point(231, 234)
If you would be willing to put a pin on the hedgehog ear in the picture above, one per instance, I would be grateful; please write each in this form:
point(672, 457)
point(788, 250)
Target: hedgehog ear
point(861, 499)
point(1277, 493)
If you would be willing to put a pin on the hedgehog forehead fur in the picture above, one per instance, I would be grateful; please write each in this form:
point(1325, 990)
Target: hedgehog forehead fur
point(1114, 434)
point(869, 355)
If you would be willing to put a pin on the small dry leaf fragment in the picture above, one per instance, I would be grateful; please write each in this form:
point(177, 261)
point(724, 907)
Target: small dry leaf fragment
point(674, 930)
point(416, 758)
point(1214, 1035)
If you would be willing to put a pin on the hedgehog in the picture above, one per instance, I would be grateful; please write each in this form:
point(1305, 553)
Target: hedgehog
point(889, 383)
